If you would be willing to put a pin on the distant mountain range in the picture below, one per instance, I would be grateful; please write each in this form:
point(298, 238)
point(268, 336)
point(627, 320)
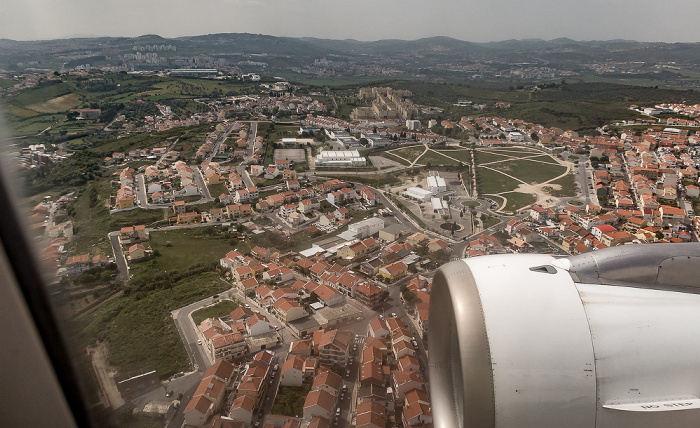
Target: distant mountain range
point(435, 57)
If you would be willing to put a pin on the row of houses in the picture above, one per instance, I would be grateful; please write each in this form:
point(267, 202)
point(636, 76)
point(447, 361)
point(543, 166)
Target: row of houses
point(242, 386)
point(382, 390)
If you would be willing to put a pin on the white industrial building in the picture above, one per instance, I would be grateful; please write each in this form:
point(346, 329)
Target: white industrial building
point(516, 137)
point(340, 158)
point(375, 140)
point(365, 228)
point(436, 184)
point(413, 125)
point(438, 204)
point(348, 142)
point(418, 193)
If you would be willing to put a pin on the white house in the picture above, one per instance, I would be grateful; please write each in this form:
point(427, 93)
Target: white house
point(293, 371)
point(257, 324)
point(154, 187)
point(365, 228)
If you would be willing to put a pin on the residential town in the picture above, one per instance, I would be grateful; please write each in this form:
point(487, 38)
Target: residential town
point(324, 279)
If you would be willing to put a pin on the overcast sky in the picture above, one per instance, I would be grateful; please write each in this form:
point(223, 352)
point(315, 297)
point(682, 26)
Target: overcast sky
point(471, 20)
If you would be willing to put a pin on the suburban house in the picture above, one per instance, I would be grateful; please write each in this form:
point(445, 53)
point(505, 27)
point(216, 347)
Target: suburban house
point(242, 410)
point(293, 371)
point(334, 347)
point(210, 394)
point(319, 403)
point(393, 271)
point(289, 310)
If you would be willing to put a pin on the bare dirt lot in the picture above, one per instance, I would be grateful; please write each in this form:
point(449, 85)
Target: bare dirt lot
point(105, 374)
point(294, 155)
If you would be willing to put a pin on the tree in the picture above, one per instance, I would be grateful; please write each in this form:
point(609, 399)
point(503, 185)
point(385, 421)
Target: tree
point(383, 295)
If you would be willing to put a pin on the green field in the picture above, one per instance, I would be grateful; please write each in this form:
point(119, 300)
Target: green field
point(530, 172)
point(434, 158)
point(139, 328)
point(568, 187)
point(279, 131)
point(544, 158)
point(41, 93)
point(29, 125)
point(394, 158)
point(6, 83)
point(220, 309)
point(409, 153)
point(483, 156)
point(56, 105)
point(517, 200)
point(186, 247)
point(494, 182)
point(19, 111)
point(462, 155)
point(217, 189)
point(489, 221)
point(374, 180)
point(471, 204)
point(515, 151)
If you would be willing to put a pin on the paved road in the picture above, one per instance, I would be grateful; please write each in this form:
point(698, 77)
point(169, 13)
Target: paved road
point(141, 189)
point(219, 142)
point(204, 190)
point(251, 138)
point(119, 258)
point(245, 176)
point(188, 333)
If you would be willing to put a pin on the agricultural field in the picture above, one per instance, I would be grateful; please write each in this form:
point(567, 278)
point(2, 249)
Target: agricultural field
point(56, 105)
point(41, 93)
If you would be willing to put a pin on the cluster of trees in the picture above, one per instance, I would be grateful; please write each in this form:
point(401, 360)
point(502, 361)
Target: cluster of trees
point(77, 170)
point(409, 296)
point(595, 160)
point(290, 400)
point(98, 274)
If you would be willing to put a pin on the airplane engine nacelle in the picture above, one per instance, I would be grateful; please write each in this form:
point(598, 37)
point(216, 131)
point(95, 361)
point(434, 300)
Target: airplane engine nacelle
point(604, 339)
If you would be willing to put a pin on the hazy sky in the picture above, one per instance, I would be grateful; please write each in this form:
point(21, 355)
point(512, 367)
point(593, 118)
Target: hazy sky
point(484, 20)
